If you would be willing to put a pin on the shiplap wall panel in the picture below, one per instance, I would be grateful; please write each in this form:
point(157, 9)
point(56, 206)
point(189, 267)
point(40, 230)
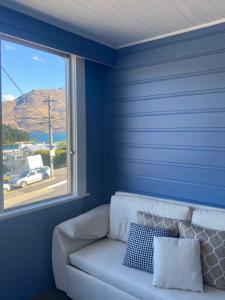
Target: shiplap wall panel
point(187, 173)
point(168, 188)
point(190, 119)
point(165, 119)
point(174, 104)
point(169, 86)
point(204, 63)
point(169, 155)
point(206, 44)
point(211, 139)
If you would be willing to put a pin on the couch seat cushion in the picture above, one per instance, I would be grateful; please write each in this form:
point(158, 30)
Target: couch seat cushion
point(103, 260)
point(210, 293)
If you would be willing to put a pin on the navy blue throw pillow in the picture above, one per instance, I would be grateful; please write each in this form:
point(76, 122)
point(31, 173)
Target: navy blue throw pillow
point(140, 250)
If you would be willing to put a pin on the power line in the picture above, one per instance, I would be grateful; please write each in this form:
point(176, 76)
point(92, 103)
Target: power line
point(11, 79)
point(20, 90)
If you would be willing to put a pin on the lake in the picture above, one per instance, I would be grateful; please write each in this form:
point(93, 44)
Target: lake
point(40, 137)
point(43, 137)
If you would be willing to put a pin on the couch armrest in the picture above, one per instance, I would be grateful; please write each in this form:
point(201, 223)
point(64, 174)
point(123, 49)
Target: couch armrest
point(75, 234)
point(93, 224)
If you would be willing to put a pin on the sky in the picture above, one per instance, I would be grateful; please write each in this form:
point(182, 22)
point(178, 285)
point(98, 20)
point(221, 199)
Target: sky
point(31, 69)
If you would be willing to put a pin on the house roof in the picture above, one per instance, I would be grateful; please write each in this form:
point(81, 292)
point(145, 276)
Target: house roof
point(34, 148)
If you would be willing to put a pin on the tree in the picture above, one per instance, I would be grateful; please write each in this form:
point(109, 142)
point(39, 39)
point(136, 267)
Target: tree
point(13, 135)
point(59, 159)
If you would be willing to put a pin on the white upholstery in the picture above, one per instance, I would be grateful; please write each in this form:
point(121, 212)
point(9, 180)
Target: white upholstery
point(209, 293)
point(103, 261)
point(94, 259)
point(209, 219)
point(93, 224)
point(123, 210)
point(82, 286)
point(177, 264)
point(62, 246)
point(72, 235)
point(101, 274)
point(212, 218)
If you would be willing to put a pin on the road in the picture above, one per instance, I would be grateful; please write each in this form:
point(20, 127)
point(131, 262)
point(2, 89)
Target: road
point(52, 187)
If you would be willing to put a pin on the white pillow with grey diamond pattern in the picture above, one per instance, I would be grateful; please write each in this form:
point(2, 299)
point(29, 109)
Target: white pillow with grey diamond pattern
point(177, 264)
point(212, 252)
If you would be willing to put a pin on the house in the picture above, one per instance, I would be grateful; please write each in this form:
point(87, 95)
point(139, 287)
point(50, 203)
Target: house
point(32, 148)
point(10, 158)
point(143, 104)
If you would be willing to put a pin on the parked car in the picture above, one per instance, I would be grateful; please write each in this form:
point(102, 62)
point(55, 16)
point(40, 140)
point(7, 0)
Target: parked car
point(31, 176)
point(45, 170)
point(7, 177)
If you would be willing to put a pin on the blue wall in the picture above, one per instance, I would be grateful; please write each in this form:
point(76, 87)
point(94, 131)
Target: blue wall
point(24, 27)
point(25, 247)
point(164, 135)
point(25, 251)
point(165, 130)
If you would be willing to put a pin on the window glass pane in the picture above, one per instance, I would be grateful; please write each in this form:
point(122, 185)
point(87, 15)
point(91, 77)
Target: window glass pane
point(34, 130)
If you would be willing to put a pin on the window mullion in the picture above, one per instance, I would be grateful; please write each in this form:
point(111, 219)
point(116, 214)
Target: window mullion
point(1, 145)
point(73, 123)
point(80, 126)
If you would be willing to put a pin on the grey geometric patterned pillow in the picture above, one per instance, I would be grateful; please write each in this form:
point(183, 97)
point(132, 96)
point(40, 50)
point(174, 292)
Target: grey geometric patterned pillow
point(158, 222)
point(212, 252)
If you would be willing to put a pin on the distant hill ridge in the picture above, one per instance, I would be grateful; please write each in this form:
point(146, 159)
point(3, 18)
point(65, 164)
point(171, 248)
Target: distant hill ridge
point(29, 112)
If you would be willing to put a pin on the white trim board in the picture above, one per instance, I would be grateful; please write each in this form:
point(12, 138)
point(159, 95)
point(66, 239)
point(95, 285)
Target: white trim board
point(209, 24)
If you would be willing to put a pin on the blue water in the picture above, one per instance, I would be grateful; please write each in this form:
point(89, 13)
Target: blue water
point(40, 137)
point(10, 147)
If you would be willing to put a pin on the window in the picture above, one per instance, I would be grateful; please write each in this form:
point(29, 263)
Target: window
point(39, 153)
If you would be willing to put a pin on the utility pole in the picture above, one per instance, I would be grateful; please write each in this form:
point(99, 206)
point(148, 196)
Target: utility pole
point(50, 102)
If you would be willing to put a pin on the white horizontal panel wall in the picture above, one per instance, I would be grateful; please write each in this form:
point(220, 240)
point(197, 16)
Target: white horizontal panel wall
point(117, 23)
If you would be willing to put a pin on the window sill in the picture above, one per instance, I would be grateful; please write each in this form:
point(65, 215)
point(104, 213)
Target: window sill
point(11, 213)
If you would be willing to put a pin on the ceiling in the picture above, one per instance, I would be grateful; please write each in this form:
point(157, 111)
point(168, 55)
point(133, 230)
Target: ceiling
point(118, 23)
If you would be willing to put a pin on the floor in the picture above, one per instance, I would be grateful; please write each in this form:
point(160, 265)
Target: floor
point(51, 295)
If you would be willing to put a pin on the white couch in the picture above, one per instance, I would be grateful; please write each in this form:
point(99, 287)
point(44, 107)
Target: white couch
point(88, 250)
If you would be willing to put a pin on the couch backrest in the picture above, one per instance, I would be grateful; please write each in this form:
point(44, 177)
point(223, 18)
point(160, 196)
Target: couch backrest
point(124, 207)
point(211, 219)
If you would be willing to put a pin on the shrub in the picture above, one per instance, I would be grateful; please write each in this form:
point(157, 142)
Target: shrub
point(59, 159)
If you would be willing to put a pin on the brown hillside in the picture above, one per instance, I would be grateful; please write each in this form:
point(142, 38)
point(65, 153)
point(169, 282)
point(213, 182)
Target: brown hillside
point(30, 113)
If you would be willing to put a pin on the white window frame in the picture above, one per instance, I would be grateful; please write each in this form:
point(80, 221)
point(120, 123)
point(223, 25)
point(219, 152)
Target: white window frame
point(76, 131)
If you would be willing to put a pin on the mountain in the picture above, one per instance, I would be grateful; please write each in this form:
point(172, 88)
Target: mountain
point(29, 112)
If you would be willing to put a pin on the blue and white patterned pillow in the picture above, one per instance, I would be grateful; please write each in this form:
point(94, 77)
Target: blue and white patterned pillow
point(140, 249)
